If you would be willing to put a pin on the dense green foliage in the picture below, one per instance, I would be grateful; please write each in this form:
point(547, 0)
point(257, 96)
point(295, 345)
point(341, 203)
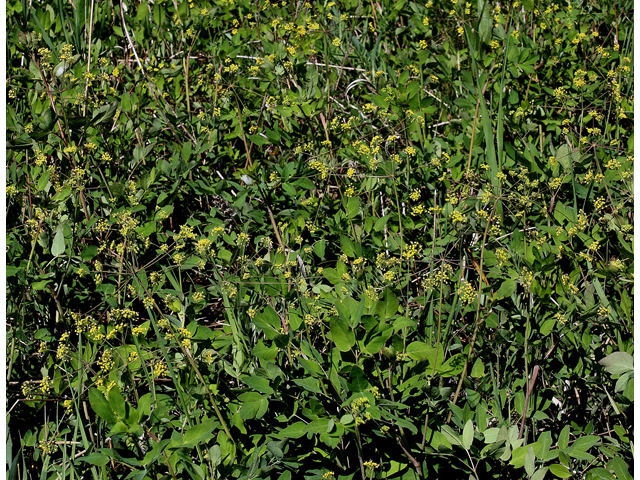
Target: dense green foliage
point(350, 239)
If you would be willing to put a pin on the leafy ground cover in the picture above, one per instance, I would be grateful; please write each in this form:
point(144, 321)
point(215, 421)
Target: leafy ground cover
point(320, 240)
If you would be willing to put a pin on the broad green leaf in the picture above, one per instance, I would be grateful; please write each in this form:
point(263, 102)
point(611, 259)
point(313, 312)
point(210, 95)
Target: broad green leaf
point(40, 285)
point(618, 363)
point(104, 113)
point(341, 334)
point(530, 461)
point(507, 288)
point(267, 320)
point(332, 275)
point(585, 443)
point(275, 450)
point(580, 455)
point(309, 384)
point(311, 366)
point(620, 468)
point(258, 383)
point(403, 322)
point(353, 207)
point(117, 403)
point(439, 440)
point(320, 425)
point(101, 406)
point(58, 246)
point(539, 474)
point(421, 351)
point(559, 471)
point(265, 353)
point(401, 422)
point(477, 371)
point(453, 366)
point(357, 379)
point(601, 473)
point(254, 409)
point(387, 306)
point(346, 245)
point(43, 180)
point(199, 434)
point(380, 223)
point(295, 430)
point(227, 446)
point(563, 156)
point(545, 444)
point(319, 248)
point(467, 435)
point(377, 341)
point(450, 435)
point(563, 439)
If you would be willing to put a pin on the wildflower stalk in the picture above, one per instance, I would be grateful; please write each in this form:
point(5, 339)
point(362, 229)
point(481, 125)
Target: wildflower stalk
point(195, 369)
point(478, 321)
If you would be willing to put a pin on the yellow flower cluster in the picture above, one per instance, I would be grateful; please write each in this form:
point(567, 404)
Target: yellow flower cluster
point(319, 167)
point(439, 275)
point(159, 369)
point(466, 292)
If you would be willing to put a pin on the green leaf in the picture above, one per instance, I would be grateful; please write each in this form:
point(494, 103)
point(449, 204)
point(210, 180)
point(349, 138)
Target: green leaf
point(117, 403)
point(269, 321)
point(545, 444)
point(295, 430)
point(341, 334)
point(539, 474)
point(559, 470)
point(320, 425)
point(254, 408)
point(585, 443)
point(563, 156)
point(601, 473)
point(421, 351)
point(319, 247)
point(58, 246)
point(43, 180)
point(311, 366)
point(491, 435)
point(104, 113)
point(265, 353)
point(275, 450)
point(453, 366)
point(620, 468)
point(563, 439)
point(507, 288)
point(450, 435)
point(467, 435)
point(357, 380)
point(198, 434)
point(403, 322)
point(530, 461)
point(477, 371)
point(346, 245)
point(353, 207)
point(258, 383)
point(387, 306)
point(95, 458)
point(101, 406)
point(40, 285)
point(618, 363)
point(309, 384)
point(377, 341)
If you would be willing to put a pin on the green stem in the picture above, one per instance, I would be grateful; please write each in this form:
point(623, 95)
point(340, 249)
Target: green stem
point(478, 321)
